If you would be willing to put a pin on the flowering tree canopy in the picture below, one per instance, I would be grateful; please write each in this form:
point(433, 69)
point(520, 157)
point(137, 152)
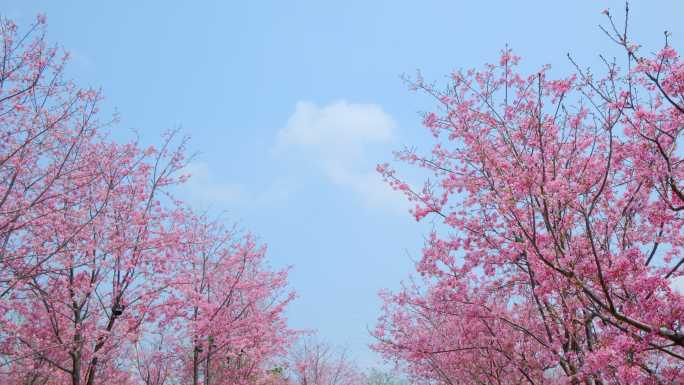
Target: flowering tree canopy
point(561, 201)
point(317, 363)
point(104, 276)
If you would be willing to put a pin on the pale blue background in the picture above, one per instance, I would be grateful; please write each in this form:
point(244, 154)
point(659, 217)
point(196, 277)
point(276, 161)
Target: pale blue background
point(231, 73)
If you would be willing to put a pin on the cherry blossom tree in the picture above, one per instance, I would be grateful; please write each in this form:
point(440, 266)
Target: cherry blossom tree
point(227, 306)
point(561, 233)
point(154, 360)
point(105, 277)
point(105, 282)
point(316, 363)
point(376, 376)
point(223, 315)
point(45, 124)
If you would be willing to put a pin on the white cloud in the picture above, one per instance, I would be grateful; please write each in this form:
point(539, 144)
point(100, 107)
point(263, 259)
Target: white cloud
point(337, 124)
point(206, 189)
point(337, 137)
point(374, 191)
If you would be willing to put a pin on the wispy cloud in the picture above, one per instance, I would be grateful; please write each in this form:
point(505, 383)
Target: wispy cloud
point(205, 188)
point(337, 137)
point(338, 125)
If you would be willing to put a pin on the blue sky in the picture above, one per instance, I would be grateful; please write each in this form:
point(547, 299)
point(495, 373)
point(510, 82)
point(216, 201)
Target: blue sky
point(291, 104)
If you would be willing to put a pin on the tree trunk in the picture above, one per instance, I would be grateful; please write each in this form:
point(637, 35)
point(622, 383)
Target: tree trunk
point(207, 374)
point(75, 369)
point(195, 366)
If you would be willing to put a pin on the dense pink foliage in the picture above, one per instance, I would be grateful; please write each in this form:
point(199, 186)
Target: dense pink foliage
point(560, 229)
point(105, 278)
point(226, 308)
point(316, 363)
